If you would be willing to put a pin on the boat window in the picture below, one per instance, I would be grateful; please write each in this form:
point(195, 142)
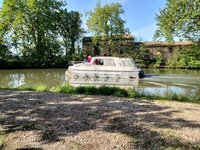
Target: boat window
point(108, 62)
point(127, 63)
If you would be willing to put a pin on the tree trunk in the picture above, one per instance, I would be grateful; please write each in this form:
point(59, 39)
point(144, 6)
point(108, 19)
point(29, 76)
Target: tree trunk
point(72, 47)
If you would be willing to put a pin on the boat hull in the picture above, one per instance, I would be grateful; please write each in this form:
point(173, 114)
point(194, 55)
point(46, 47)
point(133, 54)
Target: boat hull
point(99, 78)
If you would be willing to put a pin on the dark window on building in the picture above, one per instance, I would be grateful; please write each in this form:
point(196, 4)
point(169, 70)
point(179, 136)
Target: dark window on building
point(86, 43)
point(170, 49)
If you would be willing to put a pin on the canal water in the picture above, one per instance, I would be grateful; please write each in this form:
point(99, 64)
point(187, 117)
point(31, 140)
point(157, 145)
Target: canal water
point(156, 81)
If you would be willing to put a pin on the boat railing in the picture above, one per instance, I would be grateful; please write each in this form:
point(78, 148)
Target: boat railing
point(71, 63)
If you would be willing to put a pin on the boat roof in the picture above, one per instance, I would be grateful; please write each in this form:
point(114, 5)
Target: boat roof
point(105, 57)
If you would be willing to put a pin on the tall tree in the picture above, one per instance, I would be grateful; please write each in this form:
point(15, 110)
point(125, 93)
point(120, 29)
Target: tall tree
point(70, 29)
point(179, 18)
point(30, 26)
point(3, 52)
point(105, 21)
point(75, 30)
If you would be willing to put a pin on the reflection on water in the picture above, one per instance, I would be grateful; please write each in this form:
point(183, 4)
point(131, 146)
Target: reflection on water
point(156, 81)
point(111, 81)
point(179, 81)
point(15, 78)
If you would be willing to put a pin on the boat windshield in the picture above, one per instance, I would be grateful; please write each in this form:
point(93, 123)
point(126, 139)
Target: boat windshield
point(127, 63)
point(104, 62)
point(108, 62)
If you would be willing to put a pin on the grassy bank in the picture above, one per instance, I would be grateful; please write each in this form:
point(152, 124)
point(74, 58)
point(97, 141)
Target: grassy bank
point(114, 91)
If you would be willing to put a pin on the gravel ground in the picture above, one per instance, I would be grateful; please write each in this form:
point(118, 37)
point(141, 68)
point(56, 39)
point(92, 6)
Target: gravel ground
point(52, 121)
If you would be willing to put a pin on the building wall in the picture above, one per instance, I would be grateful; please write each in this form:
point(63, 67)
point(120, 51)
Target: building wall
point(104, 48)
point(165, 49)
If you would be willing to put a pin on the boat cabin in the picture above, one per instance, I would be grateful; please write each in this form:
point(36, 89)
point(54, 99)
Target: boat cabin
point(113, 61)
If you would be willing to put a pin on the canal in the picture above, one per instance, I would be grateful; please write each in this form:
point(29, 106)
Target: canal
point(156, 80)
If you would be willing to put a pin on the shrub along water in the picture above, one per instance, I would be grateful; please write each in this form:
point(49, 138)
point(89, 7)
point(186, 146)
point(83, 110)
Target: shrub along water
point(113, 91)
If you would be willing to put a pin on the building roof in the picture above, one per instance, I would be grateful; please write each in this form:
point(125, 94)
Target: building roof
point(115, 37)
point(162, 43)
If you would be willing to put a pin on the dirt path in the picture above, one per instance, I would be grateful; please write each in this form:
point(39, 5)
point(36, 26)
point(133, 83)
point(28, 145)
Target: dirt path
point(51, 121)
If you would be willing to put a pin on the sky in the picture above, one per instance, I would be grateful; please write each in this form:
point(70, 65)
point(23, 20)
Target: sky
point(139, 14)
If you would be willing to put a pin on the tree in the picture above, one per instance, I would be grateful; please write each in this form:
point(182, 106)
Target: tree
point(186, 57)
point(70, 29)
point(30, 27)
point(3, 52)
point(36, 29)
point(105, 21)
point(179, 18)
point(75, 30)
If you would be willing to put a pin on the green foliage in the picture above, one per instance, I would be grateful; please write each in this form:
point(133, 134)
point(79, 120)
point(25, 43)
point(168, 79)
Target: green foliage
point(179, 18)
point(159, 61)
point(69, 24)
point(186, 57)
point(174, 96)
point(42, 88)
point(29, 62)
point(105, 90)
point(120, 93)
point(66, 88)
point(3, 51)
point(142, 56)
point(36, 30)
point(26, 87)
point(132, 93)
point(77, 57)
point(90, 90)
point(29, 27)
point(105, 21)
point(195, 96)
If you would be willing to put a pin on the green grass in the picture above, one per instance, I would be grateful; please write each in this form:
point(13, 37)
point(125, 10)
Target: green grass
point(42, 88)
point(114, 91)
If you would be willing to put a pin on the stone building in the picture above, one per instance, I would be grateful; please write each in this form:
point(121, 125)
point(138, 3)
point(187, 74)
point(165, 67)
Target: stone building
point(165, 49)
point(122, 43)
point(103, 47)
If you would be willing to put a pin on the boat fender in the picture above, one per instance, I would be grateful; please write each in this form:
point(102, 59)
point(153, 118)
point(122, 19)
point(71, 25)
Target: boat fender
point(141, 74)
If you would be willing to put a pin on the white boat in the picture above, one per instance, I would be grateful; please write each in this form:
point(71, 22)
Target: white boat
point(104, 71)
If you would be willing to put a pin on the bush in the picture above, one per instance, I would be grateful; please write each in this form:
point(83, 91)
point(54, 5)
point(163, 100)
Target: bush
point(132, 93)
point(87, 90)
point(66, 88)
point(105, 90)
point(159, 61)
point(120, 93)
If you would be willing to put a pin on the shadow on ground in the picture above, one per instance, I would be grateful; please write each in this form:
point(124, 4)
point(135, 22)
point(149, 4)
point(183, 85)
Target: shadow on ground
point(56, 116)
